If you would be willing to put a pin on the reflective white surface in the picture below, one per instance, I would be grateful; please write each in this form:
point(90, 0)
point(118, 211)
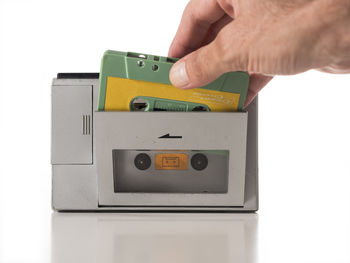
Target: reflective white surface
point(191, 238)
point(131, 238)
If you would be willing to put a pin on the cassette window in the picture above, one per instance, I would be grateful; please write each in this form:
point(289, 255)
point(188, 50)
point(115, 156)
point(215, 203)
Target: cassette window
point(170, 171)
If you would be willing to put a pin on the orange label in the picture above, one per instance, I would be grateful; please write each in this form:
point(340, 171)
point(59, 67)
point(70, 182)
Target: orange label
point(171, 161)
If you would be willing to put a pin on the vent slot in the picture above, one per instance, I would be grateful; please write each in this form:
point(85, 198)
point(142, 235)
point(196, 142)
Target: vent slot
point(86, 124)
point(136, 55)
point(171, 60)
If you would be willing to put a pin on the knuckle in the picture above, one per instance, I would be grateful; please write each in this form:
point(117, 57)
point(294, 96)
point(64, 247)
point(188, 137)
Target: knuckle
point(222, 48)
point(231, 54)
point(197, 68)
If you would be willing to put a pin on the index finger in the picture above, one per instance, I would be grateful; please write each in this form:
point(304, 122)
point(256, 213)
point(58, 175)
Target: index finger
point(196, 20)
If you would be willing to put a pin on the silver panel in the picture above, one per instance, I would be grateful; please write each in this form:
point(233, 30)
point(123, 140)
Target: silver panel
point(251, 192)
point(71, 125)
point(74, 187)
point(210, 131)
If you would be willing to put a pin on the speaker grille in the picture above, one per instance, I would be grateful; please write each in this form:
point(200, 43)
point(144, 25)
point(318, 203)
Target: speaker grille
point(86, 124)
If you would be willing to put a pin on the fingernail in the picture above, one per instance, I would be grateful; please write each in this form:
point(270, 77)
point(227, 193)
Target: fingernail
point(178, 75)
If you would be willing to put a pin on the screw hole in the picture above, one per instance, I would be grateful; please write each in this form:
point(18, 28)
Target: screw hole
point(155, 67)
point(170, 60)
point(140, 63)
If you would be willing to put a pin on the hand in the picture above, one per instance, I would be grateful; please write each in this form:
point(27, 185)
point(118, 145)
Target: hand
point(263, 37)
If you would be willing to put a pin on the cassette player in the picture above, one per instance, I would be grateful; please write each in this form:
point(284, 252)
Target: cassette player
point(189, 155)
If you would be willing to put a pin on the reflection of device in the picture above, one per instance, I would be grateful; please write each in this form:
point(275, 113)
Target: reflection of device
point(179, 161)
point(107, 238)
point(140, 82)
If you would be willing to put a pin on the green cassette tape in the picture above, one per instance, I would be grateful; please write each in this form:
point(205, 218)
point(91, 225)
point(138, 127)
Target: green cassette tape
point(140, 82)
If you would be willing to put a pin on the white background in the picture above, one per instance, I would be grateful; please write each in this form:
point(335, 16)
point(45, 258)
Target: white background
point(304, 133)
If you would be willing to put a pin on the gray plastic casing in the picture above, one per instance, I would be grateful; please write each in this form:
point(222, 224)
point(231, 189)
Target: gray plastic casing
point(83, 140)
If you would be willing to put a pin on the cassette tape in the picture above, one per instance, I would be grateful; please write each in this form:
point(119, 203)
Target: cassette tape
point(170, 171)
point(139, 82)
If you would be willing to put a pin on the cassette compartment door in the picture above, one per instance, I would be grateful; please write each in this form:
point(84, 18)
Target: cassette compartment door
point(171, 158)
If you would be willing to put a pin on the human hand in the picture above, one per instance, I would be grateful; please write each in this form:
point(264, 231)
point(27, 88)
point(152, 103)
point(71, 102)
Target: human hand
point(263, 37)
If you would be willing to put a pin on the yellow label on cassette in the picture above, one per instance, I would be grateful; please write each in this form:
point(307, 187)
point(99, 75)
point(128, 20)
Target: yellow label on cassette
point(120, 92)
point(171, 161)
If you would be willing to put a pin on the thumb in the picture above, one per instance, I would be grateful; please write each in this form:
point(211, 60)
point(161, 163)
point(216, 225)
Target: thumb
point(197, 68)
